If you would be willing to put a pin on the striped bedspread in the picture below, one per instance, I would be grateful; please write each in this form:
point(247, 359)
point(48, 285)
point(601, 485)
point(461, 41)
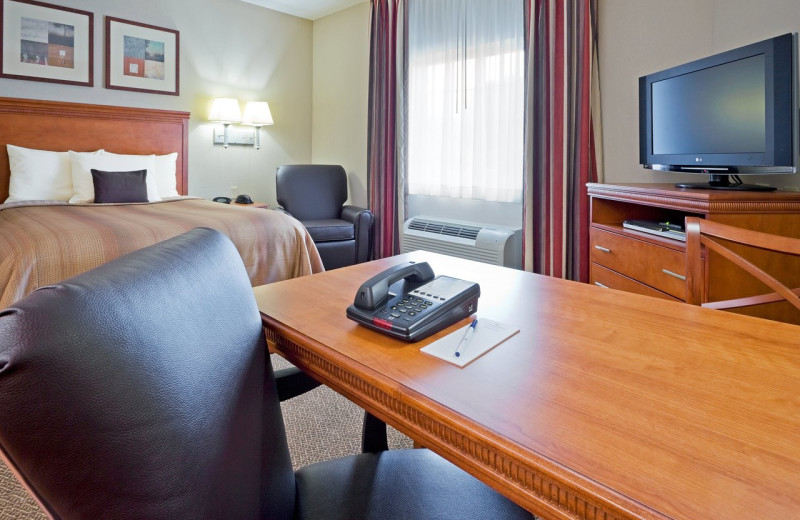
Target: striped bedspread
point(44, 243)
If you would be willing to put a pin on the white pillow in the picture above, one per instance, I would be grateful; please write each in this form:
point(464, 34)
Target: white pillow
point(83, 163)
point(165, 175)
point(38, 174)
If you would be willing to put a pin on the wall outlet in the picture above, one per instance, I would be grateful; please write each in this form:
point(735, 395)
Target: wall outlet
point(234, 191)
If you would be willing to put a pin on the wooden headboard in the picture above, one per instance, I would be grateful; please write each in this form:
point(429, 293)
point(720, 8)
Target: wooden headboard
point(58, 126)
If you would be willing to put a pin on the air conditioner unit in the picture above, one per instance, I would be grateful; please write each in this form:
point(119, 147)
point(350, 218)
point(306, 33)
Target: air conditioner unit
point(488, 243)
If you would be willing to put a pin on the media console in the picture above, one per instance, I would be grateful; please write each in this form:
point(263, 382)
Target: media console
point(638, 262)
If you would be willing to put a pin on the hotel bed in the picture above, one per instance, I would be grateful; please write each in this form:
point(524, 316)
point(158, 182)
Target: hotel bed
point(45, 241)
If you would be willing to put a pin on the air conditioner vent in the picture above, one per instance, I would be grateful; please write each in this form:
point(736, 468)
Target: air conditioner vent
point(444, 228)
point(488, 243)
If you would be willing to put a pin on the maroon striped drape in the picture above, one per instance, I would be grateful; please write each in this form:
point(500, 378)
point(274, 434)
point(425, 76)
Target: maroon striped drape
point(560, 154)
point(381, 167)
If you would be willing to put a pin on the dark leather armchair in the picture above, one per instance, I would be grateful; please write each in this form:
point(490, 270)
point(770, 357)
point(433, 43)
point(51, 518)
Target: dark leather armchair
point(315, 195)
point(143, 389)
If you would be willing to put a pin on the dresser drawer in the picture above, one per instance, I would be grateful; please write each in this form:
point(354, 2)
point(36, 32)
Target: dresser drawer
point(659, 267)
point(604, 277)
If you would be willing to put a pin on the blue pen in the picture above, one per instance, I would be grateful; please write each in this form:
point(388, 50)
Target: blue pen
point(467, 335)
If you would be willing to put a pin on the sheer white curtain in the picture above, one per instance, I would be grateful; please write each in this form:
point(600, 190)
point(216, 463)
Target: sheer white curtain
point(466, 99)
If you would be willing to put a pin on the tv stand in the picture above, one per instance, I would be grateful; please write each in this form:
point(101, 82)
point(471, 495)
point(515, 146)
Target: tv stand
point(643, 263)
point(723, 182)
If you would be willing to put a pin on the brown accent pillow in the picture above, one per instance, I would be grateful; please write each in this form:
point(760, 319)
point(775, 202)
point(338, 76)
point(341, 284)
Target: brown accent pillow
point(120, 186)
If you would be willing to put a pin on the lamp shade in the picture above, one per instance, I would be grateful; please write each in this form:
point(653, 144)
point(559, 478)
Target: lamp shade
point(257, 113)
point(225, 110)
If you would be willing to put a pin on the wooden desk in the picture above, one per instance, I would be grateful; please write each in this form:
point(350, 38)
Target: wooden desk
point(606, 403)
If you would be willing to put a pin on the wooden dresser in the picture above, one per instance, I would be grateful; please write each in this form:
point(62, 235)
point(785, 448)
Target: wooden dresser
point(638, 262)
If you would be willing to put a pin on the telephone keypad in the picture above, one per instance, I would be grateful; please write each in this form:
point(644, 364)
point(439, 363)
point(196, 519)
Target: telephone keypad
point(408, 307)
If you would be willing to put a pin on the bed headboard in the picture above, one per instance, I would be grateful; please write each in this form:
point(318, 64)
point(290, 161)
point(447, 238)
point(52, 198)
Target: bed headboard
point(59, 126)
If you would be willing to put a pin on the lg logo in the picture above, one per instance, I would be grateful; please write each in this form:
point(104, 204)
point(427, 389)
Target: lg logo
point(698, 159)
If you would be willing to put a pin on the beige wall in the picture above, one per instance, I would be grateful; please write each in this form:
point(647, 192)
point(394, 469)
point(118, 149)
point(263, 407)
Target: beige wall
point(228, 48)
point(637, 37)
point(340, 94)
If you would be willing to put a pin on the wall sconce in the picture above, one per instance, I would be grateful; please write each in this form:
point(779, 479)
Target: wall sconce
point(225, 111)
point(257, 114)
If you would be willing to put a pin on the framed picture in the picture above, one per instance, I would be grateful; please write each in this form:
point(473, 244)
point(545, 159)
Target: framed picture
point(141, 57)
point(44, 42)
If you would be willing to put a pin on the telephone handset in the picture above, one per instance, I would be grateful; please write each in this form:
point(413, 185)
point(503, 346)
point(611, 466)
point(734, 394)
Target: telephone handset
point(408, 302)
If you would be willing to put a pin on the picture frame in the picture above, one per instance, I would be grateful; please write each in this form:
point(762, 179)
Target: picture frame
point(45, 42)
point(142, 57)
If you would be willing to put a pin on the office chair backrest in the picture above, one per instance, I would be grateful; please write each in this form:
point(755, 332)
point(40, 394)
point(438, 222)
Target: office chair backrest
point(311, 191)
point(718, 238)
point(142, 389)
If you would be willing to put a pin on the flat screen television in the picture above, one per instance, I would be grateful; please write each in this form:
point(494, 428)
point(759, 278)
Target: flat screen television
point(732, 113)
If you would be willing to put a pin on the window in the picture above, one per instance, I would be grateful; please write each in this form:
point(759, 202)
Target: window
point(466, 71)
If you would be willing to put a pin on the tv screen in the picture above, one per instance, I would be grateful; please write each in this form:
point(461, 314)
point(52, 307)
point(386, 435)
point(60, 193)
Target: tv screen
point(735, 112)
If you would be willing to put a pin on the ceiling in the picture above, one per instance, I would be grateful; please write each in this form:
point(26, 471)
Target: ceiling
point(310, 9)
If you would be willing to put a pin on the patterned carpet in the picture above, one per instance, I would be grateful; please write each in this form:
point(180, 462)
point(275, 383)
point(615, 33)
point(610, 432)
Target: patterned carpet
point(320, 425)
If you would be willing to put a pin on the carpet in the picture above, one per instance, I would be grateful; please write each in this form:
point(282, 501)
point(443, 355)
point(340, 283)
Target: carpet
point(320, 425)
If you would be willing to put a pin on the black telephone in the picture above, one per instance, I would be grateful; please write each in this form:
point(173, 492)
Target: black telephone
point(407, 302)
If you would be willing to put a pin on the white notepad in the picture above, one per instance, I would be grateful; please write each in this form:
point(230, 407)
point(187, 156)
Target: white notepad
point(487, 335)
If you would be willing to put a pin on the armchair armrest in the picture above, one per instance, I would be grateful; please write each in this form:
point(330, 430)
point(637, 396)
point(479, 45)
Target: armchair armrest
point(362, 220)
point(292, 382)
point(354, 213)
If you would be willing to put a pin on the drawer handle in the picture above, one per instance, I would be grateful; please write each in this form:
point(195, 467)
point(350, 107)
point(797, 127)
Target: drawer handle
point(676, 275)
point(601, 285)
point(603, 249)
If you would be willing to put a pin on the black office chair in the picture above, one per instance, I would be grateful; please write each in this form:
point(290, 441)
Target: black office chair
point(143, 389)
point(315, 195)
